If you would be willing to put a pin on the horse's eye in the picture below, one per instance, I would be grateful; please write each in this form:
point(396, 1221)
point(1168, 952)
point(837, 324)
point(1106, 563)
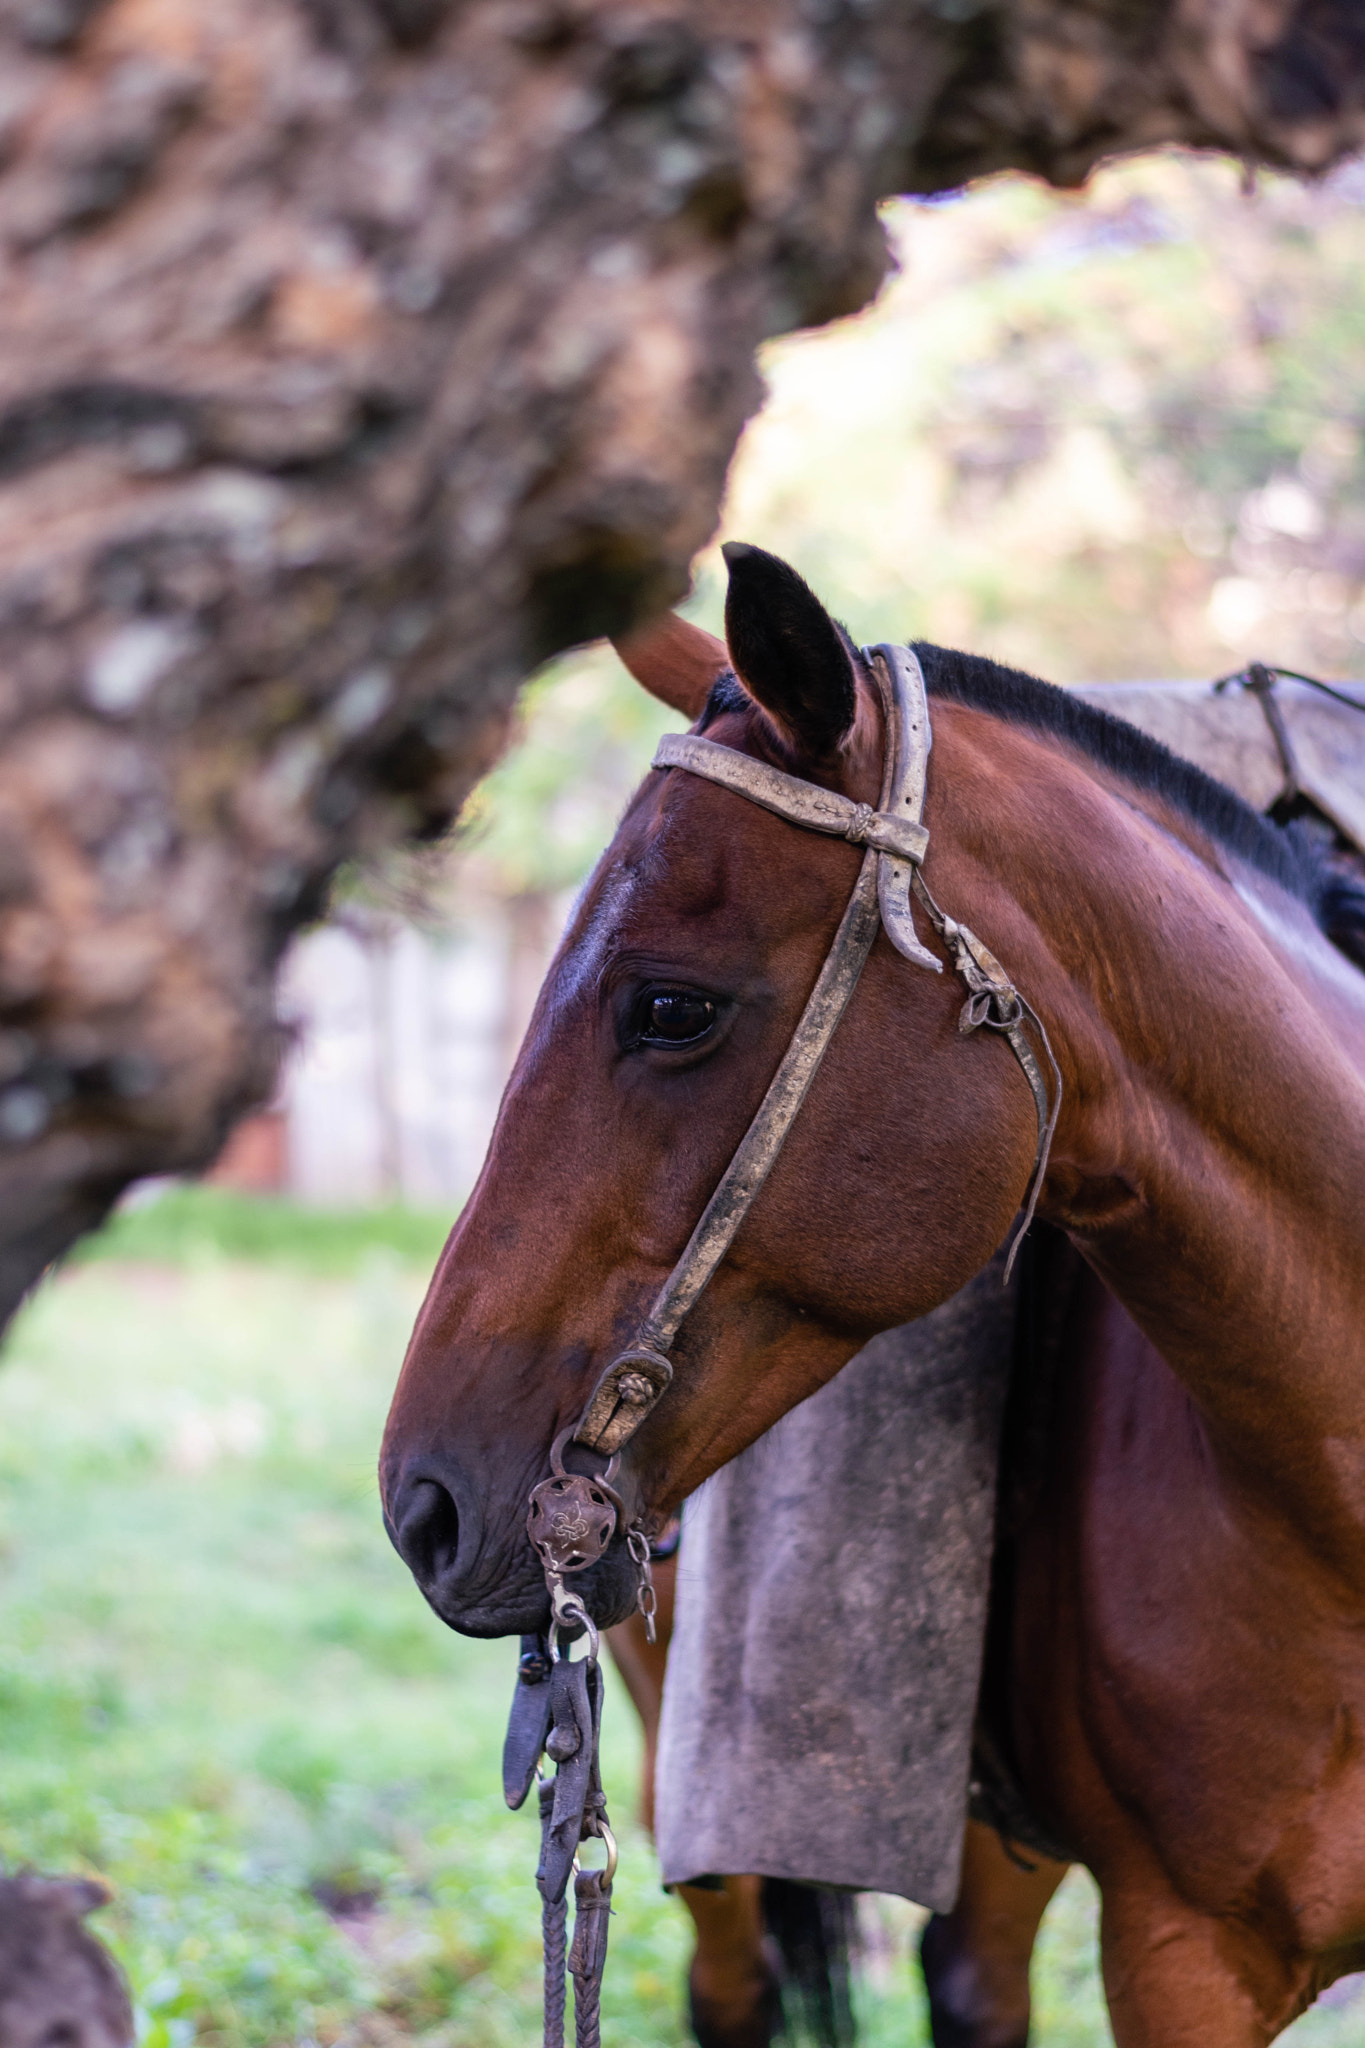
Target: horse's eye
point(676, 1019)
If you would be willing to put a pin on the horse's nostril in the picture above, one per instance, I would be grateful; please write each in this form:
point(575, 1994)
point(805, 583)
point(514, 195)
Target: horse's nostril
point(427, 1531)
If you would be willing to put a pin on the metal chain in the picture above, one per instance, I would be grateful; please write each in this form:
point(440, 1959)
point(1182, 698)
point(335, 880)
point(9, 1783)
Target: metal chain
point(646, 1599)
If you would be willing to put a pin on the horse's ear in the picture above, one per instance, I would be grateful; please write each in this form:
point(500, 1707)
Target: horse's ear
point(675, 662)
point(787, 650)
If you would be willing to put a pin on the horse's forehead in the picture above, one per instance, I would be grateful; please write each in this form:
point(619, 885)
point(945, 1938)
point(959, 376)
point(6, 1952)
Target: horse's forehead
point(587, 946)
point(657, 869)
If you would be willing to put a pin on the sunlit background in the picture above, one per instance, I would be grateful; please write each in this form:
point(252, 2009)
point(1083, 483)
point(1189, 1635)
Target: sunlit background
point(1106, 435)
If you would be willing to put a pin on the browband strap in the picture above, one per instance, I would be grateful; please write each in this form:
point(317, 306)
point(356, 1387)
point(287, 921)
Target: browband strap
point(800, 803)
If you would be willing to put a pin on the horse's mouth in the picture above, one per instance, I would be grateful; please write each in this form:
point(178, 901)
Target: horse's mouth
point(473, 1558)
point(518, 1603)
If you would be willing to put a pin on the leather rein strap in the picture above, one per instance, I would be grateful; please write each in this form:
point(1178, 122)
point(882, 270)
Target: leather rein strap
point(896, 840)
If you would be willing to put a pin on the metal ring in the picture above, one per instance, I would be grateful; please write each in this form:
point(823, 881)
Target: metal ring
point(567, 1611)
point(604, 1835)
point(602, 1479)
point(561, 1651)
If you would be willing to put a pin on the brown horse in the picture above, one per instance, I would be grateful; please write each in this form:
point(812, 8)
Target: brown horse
point(1188, 1669)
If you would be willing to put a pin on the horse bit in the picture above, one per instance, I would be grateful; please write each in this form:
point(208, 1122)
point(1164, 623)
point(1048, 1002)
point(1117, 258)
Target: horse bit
point(557, 1707)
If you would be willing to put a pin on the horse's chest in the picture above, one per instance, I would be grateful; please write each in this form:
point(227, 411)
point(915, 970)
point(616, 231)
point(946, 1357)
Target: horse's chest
point(1217, 1687)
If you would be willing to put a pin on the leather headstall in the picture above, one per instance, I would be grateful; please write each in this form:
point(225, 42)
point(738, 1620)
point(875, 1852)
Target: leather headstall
point(896, 840)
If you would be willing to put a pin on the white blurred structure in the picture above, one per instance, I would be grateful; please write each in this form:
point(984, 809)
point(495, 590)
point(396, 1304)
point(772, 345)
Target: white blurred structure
point(403, 1040)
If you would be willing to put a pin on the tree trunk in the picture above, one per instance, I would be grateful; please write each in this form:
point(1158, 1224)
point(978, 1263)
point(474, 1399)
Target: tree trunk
point(359, 354)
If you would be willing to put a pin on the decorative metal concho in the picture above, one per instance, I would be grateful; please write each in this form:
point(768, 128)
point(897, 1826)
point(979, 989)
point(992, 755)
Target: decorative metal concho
point(572, 1520)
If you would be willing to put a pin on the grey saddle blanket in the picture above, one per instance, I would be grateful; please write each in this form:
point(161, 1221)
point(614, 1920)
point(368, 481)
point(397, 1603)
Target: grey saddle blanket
point(831, 1612)
point(1227, 734)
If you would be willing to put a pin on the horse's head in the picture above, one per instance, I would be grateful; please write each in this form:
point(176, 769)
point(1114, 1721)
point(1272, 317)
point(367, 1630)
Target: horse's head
point(664, 1016)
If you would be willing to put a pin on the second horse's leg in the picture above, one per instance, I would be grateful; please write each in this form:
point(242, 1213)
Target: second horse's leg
point(976, 1958)
point(732, 1994)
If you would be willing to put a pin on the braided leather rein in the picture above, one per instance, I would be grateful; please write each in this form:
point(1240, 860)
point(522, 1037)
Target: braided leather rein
point(556, 1710)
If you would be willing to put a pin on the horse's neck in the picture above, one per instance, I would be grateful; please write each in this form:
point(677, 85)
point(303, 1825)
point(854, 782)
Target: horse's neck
point(1211, 1157)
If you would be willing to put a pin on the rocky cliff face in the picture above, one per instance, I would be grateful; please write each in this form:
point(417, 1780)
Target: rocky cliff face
point(358, 354)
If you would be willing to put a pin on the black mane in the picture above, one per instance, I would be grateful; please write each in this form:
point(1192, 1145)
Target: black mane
point(1286, 853)
point(1288, 857)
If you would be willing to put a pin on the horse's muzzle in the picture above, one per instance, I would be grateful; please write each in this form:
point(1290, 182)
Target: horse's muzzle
point(479, 1585)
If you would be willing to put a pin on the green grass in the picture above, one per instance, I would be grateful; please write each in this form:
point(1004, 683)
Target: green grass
point(219, 1689)
point(190, 1222)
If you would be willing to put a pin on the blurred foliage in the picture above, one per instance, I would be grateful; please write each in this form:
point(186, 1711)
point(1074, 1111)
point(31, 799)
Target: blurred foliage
point(1100, 435)
point(1107, 434)
point(181, 1224)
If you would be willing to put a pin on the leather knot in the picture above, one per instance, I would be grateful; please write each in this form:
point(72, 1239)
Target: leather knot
point(634, 1390)
point(856, 828)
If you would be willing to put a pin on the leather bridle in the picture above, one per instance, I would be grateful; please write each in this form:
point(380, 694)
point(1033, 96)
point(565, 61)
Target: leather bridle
point(569, 1529)
point(556, 1710)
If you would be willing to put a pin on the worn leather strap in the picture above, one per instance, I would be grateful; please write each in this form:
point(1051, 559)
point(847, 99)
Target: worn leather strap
point(564, 1720)
point(905, 707)
point(994, 1001)
point(894, 830)
point(624, 1395)
point(618, 1403)
point(800, 803)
